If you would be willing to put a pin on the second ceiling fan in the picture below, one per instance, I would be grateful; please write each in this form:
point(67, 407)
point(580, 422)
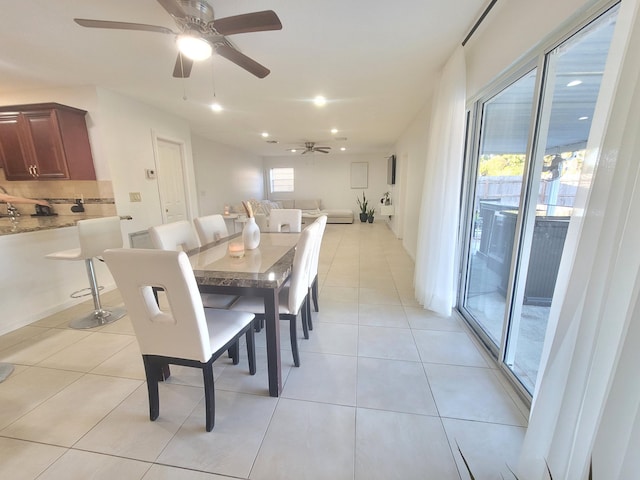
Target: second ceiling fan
point(310, 147)
point(196, 24)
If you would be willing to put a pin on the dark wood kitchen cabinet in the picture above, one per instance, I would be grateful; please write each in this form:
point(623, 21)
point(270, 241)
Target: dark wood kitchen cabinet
point(46, 141)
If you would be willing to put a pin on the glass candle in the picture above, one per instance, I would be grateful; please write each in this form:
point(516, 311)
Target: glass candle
point(236, 249)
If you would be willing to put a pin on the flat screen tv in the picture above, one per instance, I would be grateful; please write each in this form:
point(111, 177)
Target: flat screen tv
point(391, 170)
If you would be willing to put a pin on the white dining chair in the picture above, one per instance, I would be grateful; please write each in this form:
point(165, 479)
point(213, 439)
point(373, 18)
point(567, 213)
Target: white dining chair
point(185, 333)
point(96, 235)
point(178, 236)
point(294, 296)
point(211, 228)
point(285, 220)
point(313, 269)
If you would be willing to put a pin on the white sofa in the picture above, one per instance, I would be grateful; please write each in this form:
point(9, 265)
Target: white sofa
point(311, 209)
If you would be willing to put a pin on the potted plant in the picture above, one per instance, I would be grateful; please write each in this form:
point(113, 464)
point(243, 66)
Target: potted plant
point(370, 214)
point(363, 204)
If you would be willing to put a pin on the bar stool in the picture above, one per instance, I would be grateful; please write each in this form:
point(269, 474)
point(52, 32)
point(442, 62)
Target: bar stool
point(96, 235)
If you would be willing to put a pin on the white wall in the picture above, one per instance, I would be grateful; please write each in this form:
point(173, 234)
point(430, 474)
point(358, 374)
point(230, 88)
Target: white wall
point(510, 30)
point(411, 152)
point(224, 175)
point(126, 129)
point(327, 177)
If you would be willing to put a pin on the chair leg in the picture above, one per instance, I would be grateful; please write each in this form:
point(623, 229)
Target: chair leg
point(304, 313)
point(234, 352)
point(314, 293)
point(151, 370)
point(309, 316)
point(293, 334)
point(251, 350)
point(209, 395)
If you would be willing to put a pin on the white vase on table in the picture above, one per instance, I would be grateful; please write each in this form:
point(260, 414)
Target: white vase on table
point(251, 234)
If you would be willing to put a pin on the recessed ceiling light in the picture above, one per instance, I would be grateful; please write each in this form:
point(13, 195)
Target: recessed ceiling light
point(320, 101)
point(342, 149)
point(574, 83)
point(216, 107)
point(334, 131)
point(265, 134)
point(583, 118)
point(293, 150)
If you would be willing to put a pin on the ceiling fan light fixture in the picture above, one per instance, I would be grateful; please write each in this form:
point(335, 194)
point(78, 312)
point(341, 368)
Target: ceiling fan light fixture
point(194, 47)
point(320, 101)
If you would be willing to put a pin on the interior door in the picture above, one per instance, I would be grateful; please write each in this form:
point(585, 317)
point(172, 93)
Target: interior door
point(171, 183)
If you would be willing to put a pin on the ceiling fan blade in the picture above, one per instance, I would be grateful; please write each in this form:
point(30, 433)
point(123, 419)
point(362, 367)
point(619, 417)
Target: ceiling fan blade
point(243, 61)
point(248, 22)
point(173, 8)
point(122, 25)
point(182, 69)
point(321, 150)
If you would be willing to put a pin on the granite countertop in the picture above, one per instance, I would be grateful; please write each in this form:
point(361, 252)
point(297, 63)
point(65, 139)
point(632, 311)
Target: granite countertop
point(27, 223)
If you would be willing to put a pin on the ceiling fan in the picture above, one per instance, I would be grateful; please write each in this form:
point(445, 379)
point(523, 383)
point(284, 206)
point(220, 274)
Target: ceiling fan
point(310, 147)
point(196, 24)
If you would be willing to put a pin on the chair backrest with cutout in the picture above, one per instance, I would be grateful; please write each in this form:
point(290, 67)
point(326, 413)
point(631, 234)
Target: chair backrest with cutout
point(285, 220)
point(174, 236)
point(181, 330)
point(210, 228)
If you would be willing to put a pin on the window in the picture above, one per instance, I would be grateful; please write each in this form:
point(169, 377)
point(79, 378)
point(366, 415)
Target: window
point(281, 180)
point(526, 168)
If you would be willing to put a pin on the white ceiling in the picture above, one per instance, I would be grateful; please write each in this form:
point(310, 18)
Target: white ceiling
point(374, 62)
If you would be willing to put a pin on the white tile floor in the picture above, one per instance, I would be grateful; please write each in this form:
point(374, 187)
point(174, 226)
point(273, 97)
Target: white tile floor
point(386, 390)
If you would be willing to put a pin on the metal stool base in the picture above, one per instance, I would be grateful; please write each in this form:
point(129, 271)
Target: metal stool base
point(98, 318)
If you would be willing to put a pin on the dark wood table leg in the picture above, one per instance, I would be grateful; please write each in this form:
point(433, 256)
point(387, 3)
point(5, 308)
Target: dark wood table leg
point(272, 325)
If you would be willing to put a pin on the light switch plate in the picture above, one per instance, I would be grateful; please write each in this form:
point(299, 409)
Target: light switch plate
point(135, 197)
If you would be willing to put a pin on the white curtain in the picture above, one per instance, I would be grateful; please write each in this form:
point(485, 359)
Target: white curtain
point(440, 210)
point(587, 401)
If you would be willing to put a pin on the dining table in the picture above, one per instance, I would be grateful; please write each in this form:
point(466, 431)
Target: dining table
point(222, 267)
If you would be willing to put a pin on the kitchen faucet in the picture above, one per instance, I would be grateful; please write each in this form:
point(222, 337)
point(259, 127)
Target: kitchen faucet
point(12, 211)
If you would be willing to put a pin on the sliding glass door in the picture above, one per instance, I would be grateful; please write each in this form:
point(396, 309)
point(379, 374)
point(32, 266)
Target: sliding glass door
point(531, 140)
point(501, 160)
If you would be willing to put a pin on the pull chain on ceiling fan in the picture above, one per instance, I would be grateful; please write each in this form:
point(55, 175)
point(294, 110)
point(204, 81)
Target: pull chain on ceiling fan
point(197, 26)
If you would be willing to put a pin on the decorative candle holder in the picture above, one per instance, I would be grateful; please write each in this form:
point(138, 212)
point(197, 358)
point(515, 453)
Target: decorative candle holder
point(236, 249)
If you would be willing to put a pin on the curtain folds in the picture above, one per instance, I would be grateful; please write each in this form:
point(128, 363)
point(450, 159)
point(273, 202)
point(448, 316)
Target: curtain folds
point(587, 401)
point(435, 279)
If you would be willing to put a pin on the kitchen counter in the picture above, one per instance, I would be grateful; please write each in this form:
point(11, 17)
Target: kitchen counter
point(27, 223)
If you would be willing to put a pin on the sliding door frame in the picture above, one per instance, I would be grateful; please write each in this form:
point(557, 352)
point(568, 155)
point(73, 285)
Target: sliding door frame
point(519, 262)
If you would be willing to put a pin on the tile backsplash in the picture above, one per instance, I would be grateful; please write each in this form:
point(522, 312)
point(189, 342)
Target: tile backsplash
point(97, 195)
